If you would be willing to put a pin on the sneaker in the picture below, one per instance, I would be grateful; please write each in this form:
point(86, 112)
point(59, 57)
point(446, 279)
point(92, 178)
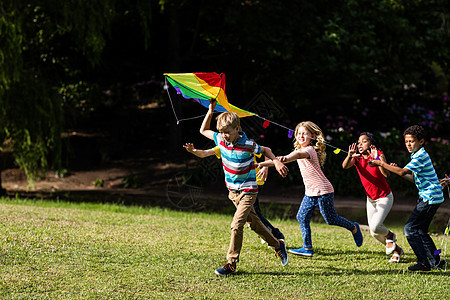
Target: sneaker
point(302, 251)
point(282, 253)
point(440, 265)
point(226, 269)
point(358, 237)
point(277, 234)
point(419, 267)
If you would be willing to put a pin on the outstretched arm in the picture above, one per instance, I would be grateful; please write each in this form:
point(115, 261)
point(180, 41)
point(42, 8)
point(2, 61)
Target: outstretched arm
point(205, 128)
point(349, 161)
point(197, 152)
point(281, 168)
point(405, 173)
point(293, 156)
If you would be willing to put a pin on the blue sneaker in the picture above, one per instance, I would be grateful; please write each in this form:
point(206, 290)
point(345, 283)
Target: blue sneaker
point(282, 253)
point(226, 269)
point(302, 251)
point(358, 237)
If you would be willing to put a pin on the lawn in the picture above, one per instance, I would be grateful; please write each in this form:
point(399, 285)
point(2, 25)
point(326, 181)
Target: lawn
point(51, 249)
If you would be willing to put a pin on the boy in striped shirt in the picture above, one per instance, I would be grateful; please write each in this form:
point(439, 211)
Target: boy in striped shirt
point(240, 178)
point(420, 170)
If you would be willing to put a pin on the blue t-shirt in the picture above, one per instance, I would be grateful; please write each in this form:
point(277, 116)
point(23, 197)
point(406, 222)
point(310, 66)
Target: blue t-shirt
point(238, 163)
point(425, 177)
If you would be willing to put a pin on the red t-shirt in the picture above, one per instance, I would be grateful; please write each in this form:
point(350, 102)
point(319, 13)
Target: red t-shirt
point(373, 181)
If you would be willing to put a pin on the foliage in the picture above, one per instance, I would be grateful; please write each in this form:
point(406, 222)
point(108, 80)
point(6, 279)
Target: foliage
point(342, 61)
point(48, 49)
point(131, 181)
point(98, 182)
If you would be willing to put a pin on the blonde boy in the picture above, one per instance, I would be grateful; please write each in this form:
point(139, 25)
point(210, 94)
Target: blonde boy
point(240, 177)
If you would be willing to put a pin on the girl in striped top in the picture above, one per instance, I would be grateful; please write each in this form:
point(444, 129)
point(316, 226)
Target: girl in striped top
point(310, 155)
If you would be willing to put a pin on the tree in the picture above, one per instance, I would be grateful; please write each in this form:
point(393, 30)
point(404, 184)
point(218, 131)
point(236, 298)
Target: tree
point(47, 49)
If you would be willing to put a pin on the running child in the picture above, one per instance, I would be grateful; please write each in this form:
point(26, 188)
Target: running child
point(261, 177)
point(420, 170)
point(237, 153)
point(379, 195)
point(310, 155)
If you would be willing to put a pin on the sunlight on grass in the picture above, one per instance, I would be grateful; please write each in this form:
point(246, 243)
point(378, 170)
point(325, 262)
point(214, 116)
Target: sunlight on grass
point(51, 249)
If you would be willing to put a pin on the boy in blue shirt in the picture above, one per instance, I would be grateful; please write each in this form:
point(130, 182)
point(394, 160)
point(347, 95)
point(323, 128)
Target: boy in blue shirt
point(420, 170)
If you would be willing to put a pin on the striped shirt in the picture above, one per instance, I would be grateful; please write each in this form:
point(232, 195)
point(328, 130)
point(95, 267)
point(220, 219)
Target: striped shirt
point(316, 184)
point(259, 180)
point(425, 177)
point(238, 163)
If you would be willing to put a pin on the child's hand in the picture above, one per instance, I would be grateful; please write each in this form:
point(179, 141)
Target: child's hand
point(281, 168)
point(394, 164)
point(373, 152)
point(352, 150)
point(374, 163)
point(445, 181)
point(212, 104)
point(189, 147)
point(262, 174)
point(282, 158)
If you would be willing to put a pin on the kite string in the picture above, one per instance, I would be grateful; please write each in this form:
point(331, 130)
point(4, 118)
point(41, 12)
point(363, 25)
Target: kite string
point(166, 87)
point(293, 131)
point(273, 122)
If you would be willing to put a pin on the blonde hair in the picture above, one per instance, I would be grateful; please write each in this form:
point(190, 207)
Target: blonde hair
point(227, 119)
point(318, 142)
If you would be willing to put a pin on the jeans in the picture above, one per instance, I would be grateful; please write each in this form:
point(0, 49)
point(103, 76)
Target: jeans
point(275, 231)
point(416, 232)
point(326, 206)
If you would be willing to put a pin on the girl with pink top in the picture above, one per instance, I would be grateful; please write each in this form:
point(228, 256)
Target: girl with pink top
point(310, 155)
point(379, 195)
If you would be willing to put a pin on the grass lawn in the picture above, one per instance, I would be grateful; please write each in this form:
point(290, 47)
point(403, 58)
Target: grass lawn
point(100, 251)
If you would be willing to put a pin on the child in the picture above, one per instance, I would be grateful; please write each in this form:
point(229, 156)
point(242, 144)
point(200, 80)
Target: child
point(261, 177)
point(420, 170)
point(237, 153)
point(379, 194)
point(319, 192)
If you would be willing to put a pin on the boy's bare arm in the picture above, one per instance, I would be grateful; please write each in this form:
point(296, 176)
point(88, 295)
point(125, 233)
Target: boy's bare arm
point(405, 173)
point(197, 152)
point(281, 168)
point(205, 128)
point(293, 156)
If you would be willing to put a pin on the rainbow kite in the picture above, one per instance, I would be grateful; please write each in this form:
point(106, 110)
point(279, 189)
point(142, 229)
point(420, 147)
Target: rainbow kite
point(204, 86)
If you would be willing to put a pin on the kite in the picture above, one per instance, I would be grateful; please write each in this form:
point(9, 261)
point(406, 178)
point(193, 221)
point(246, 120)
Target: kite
point(204, 86)
point(201, 87)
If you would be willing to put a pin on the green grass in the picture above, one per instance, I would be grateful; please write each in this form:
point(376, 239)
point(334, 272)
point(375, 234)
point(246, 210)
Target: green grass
point(99, 251)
